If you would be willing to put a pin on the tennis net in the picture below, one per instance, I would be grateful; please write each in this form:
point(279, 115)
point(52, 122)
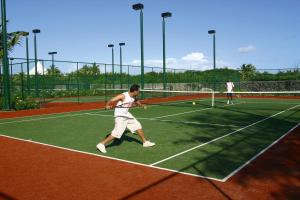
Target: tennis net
point(207, 98)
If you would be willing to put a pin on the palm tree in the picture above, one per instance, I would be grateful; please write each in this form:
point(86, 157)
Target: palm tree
point(13, 39)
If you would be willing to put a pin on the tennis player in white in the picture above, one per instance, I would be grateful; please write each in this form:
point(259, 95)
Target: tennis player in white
point(229, 87)
point(124, 119)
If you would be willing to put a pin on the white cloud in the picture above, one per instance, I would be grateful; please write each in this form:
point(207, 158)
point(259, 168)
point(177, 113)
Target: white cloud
point(246, 49)
point(194, 60)
point(194, 56)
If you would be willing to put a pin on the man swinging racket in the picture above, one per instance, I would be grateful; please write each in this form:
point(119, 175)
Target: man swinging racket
point(124, 119)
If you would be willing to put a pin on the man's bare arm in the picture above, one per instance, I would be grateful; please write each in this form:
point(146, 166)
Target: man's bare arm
point(140, 104)
point(119, 97)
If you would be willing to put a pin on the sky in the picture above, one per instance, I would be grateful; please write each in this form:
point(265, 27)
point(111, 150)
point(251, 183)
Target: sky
point(261, 32)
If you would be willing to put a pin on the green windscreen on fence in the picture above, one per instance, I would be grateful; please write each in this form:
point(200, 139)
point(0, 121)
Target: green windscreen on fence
point(84, 82)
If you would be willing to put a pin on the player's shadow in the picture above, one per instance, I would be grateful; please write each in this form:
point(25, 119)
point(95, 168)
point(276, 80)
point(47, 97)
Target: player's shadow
point(127, 137)
point(6, 196)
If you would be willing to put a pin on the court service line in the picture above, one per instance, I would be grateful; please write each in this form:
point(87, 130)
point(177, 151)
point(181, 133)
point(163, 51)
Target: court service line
point(260, 153)
point(218, 138)
point(184, 122)
point(182, 113)
point(192, 122)
point(112, 158)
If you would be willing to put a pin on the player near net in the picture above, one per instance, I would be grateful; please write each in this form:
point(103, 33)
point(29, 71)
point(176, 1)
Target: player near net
point(229, 87)
point(124, 119)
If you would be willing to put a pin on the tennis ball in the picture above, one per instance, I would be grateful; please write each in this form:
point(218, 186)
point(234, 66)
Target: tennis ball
point(194, 103)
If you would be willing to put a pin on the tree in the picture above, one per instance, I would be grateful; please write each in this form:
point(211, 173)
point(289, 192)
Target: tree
point(13, 39)
point(54, 71)
point(90, 70)
point(247, 71)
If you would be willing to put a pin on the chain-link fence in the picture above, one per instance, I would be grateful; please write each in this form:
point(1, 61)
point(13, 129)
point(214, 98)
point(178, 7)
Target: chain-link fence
point(81, 82)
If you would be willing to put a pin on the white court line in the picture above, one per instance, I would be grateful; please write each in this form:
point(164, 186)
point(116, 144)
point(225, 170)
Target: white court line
point(196, 123)
point(284, 103)
point(184, 122)
point(41, 115)
point(257, 155)
point(38, 119)
point(182, 113)
point(218, 138)
point(112, 158)
point(99, 114)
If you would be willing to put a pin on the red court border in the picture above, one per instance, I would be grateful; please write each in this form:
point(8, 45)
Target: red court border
point(32, 171)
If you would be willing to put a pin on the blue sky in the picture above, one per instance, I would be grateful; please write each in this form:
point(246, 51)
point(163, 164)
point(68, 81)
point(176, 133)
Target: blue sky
point(262, 32)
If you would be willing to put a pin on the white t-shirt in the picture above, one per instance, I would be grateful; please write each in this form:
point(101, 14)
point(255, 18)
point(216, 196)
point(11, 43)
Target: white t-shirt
point(229, 86)
point(122, 108)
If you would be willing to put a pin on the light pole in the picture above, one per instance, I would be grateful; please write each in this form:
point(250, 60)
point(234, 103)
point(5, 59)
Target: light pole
point(52, 59)
point(36, 31)
point(6, 89)
point(213, 32)
point(113, 64)
point(121, 44)
point(164, 16)
point(27, 63)
point(140, 7)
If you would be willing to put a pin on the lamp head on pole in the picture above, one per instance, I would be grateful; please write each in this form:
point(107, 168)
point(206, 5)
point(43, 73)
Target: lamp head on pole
point(138, 6)
point(110, 45)
point(122, 44)
point(166, 14)
point(211, 31)
point(52, 53)
point(36, 31)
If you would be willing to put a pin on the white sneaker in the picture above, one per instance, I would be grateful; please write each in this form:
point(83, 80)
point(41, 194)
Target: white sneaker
point(101, 147)
point(148, 144)
point(232, 103)
point(227, 102)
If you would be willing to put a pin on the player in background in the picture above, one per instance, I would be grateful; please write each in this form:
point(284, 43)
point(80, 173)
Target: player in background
point(229, 87)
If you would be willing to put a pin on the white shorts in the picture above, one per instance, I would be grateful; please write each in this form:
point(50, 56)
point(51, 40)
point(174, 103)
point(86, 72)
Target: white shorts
point(121, 123)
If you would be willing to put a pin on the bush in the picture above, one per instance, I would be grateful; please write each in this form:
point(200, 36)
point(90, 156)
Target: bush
point(19, 104)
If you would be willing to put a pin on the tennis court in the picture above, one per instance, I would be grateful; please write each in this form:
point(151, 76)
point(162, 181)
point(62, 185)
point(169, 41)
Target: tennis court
point(198, 140)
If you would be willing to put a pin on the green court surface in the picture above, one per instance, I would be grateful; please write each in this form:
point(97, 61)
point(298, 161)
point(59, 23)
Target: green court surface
point(194, 139)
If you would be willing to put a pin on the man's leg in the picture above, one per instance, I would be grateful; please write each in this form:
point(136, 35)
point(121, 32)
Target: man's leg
point(134, 125)
point(108, 139)
point(227, 98)
point(141, 134)
point(120, 126)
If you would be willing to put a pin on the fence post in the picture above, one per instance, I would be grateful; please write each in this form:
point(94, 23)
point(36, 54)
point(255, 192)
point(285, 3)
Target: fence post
point(22, 82)
point(128, 77)
point(105, 83)
point(77, 75)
